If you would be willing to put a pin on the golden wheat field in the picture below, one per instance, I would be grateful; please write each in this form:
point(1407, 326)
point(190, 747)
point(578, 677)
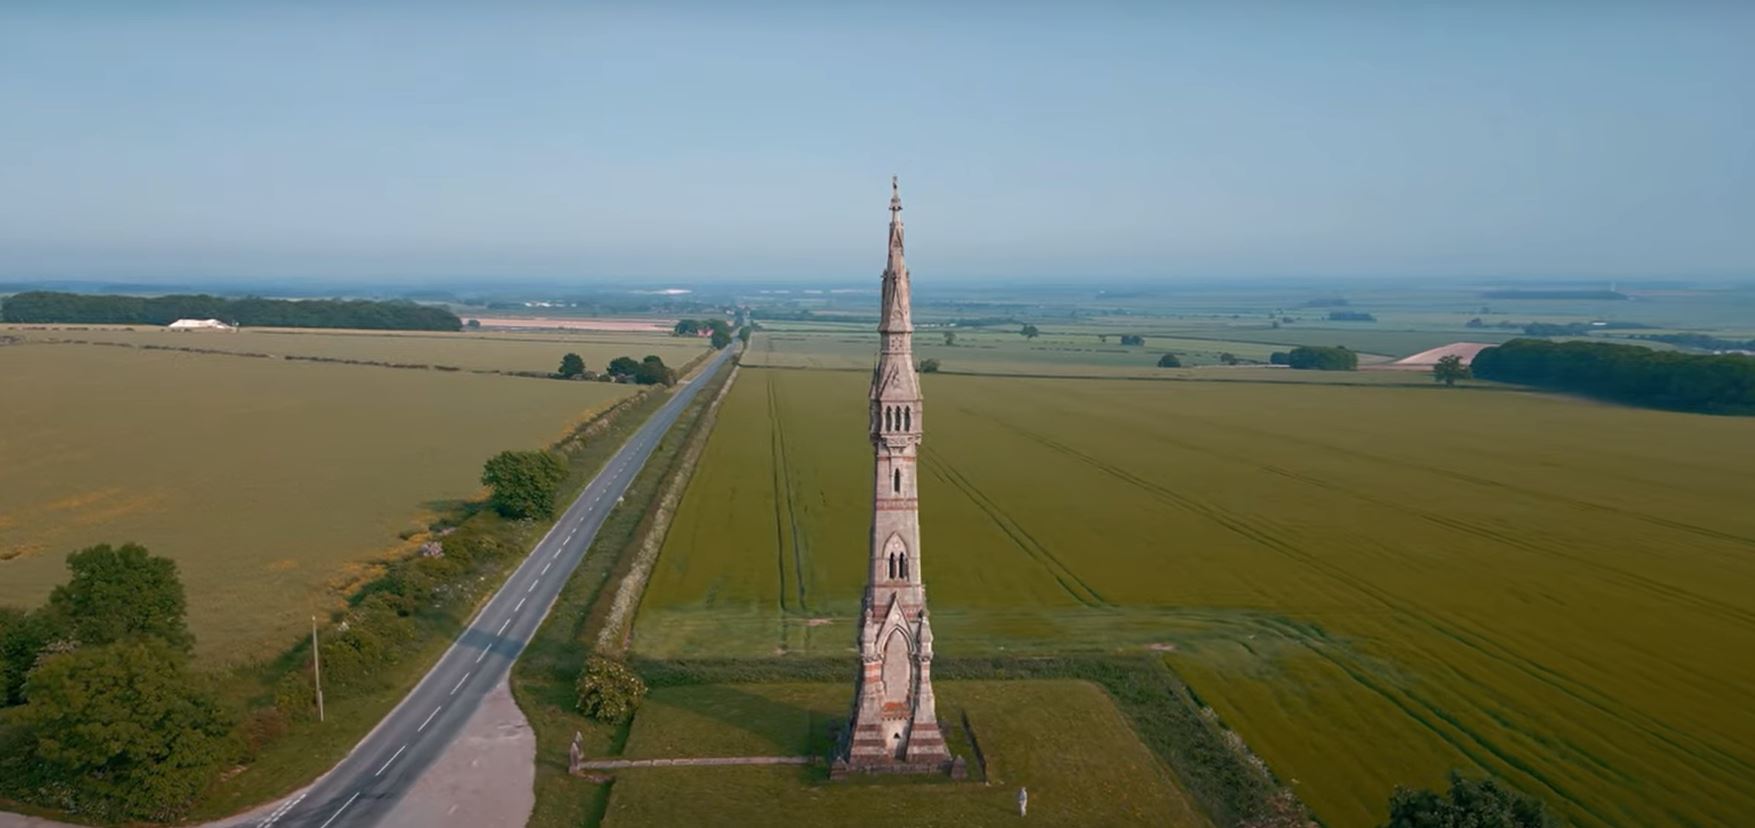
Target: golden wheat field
point(534, 351)
point(1372, 585)
point(271, 483)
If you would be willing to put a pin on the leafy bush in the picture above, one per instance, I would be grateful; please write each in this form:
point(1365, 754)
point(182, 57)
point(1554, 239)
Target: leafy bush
point(1169, 361)
point(524, 482)
point(609, 691)
point(122, 592)
point(929, 366)
point(1468, 803)
point(124, 731)
point(1279, 358)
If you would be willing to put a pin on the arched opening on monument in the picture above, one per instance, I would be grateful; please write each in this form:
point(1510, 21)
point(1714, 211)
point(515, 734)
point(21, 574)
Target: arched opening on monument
point(898, 671)
point(892, 567)
point(896, 481)
point(888, 414)
point(908, 418)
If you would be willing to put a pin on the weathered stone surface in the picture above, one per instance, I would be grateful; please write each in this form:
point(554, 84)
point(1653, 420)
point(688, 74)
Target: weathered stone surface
point(893, 727)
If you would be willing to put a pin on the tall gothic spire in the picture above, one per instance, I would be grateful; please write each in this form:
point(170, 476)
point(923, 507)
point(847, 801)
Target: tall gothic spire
point(896, 316)
point(894, 723)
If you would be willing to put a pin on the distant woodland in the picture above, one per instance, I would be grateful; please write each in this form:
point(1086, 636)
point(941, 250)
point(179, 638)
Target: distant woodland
point(1719, 384)
point(47, 307)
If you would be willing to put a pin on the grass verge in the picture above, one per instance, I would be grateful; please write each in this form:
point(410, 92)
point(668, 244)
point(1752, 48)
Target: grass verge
point(543, 678)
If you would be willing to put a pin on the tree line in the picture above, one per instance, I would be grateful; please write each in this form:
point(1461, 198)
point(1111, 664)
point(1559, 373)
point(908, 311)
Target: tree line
point(1316, 358)
point(1718, 384)
point(51, 307)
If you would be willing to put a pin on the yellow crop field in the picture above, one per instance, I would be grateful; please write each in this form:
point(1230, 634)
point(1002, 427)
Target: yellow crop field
point(271, 483)
point(1371, 584)
point(536, 351)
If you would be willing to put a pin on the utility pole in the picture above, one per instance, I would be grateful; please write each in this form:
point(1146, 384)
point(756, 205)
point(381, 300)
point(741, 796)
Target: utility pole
point(317, 667)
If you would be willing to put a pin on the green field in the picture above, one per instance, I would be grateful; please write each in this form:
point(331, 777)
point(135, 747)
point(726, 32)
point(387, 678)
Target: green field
point(1371, 584)
point(272, 483)
point(538, 351)
point(1063, 740)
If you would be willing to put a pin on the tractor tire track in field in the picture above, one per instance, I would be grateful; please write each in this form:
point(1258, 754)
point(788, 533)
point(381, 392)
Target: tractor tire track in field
point(1670, 592)
point(1465, 741)
point(785, 512)
point(1523, 491)
point(1068, 580)
point(1686, 743)
point(1388, 601)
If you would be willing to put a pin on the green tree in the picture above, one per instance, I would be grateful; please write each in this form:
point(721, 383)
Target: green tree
point(122, 592)
point(929, 366)
point(1132, 339)
point(524, 482)
point(572, 365)
point(609, 691)
point(743, 334)
point(1470, 803)
point(1228, 358)
point(686, 327)
point(1030, 332)
point(127, 728)
point(623, 366)
point(653, 371)
point(1169, 361)
point(719, 340)
point(24, 638)
point(1322, 358)
point(473, 324)
point(950, 338)
point(1449, 369)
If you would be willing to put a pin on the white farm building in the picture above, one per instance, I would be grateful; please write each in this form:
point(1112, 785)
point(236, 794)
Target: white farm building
point(200, 325)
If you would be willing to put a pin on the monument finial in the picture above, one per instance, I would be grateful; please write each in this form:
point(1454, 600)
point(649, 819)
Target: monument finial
point(895, 195)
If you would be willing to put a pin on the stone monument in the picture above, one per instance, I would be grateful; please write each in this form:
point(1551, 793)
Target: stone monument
point(894, 724)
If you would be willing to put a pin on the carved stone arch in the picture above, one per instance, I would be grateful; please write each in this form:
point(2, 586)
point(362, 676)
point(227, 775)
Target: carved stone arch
point(895, 545)
point(908, 418)
point(898, 667)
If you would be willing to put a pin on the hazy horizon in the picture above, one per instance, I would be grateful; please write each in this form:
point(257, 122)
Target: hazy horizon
point(408, 144)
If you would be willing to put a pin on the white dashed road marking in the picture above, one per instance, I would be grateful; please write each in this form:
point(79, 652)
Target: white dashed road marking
point(356, 795)
point(520, 605)
point(423, 725)
point(459, 683)
point(391, 759)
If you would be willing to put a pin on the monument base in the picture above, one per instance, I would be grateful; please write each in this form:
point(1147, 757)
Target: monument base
point(954, 768)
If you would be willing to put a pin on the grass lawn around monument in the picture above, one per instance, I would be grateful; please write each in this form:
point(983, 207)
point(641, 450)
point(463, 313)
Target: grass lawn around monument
point(1064, 740)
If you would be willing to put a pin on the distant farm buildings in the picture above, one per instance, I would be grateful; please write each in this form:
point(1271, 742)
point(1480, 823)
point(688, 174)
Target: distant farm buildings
point(200, 325)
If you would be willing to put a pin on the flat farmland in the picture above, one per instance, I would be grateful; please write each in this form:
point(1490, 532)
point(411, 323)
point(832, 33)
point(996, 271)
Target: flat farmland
point(1371, 584)
point(539, 352)
point(997, 352)
point(271, 483)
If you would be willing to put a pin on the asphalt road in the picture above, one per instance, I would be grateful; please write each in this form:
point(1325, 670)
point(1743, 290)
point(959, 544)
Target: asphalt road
point(362, 789)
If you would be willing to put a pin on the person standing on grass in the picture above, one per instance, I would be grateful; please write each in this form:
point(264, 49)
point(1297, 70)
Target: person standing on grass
point(1023, 801)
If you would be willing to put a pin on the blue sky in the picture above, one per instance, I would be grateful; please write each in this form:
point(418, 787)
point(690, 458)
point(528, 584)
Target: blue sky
point(600, 142)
